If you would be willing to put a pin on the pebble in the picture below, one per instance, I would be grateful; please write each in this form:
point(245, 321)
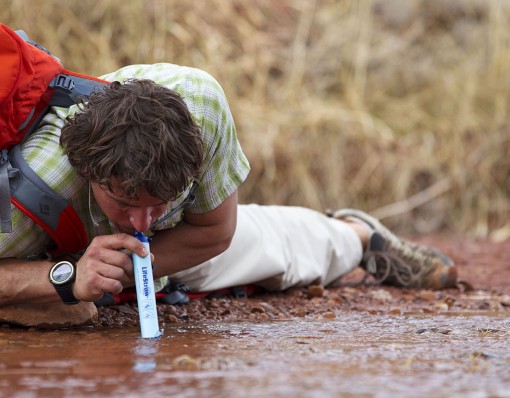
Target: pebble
point(315, 291)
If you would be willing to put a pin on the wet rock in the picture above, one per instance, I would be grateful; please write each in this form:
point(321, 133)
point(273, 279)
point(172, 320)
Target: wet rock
point(267, 307)
point(186, 362)
point(316, 301)
point(213, 303)
point(408, 297)
point(299, 312)
point(505, 301)
point(336, 299)
point(315, 291)
point(172, 319)
point(441, 306)
point(450, 301)
point(329, 315)
point(466, 286)
point(259, 316)
point(127, 310)
point(107, 316)
point(49, 315)
point(171, 310)
point(258, 309)
point(427, 295)
point(381, 295)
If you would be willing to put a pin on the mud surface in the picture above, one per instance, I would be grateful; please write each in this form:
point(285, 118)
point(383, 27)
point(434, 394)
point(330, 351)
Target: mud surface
point(365, 341)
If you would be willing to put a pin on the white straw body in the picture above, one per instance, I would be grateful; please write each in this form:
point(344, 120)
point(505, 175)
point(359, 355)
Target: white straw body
point(145, 294)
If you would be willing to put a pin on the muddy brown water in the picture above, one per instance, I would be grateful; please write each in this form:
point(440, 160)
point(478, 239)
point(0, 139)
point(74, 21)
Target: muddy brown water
point(361, 355)
point(368, 341)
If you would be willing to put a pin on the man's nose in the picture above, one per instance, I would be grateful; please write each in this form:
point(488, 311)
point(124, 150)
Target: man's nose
point(141, 218)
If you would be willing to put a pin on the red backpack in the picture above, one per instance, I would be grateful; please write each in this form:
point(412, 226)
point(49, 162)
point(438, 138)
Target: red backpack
point(32, 81)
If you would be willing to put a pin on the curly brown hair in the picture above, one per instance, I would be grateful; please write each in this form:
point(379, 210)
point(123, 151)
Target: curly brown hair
point(133, 136)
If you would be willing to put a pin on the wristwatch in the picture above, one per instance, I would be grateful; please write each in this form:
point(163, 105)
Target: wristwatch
point(62, 277)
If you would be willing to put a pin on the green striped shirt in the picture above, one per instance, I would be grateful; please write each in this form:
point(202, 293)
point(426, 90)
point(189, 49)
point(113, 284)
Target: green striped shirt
point(225, 165)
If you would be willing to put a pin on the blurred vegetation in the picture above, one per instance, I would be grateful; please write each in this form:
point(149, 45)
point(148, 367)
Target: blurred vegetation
point(397, 107)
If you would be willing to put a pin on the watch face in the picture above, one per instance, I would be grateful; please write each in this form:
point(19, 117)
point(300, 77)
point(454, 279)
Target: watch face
point(62, 273)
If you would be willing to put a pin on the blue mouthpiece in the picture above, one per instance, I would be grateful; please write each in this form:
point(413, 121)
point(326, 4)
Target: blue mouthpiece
point(141, 237)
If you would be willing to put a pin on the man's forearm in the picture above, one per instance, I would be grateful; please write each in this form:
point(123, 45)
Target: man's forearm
point(185, 246)
point(197, 239)
point(23, 281)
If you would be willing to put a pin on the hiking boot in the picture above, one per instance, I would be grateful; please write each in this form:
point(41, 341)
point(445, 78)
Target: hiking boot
point(398, 262)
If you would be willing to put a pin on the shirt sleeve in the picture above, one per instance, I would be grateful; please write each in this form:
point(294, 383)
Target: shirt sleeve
point(27, 239)
point(225, 166)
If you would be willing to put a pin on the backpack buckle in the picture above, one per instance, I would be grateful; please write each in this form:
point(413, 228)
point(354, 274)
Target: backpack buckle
point(64, 82)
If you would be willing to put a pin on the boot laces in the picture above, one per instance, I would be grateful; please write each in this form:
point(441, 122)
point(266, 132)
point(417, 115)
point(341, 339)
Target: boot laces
point(383, 264)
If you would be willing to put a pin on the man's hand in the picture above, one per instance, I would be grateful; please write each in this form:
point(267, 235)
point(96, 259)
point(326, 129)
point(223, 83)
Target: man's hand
point(106, 266)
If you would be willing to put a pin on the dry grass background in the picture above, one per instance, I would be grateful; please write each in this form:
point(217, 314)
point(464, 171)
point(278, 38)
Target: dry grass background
point(397, 107)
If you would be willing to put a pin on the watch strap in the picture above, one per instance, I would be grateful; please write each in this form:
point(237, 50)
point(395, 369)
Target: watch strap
point(65, 292)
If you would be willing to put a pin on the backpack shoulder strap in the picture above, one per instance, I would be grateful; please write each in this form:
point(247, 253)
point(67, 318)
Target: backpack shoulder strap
point(49, 210)
point(6, 172)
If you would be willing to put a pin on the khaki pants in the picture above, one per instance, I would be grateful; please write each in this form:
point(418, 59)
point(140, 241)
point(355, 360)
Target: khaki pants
point(278, 247)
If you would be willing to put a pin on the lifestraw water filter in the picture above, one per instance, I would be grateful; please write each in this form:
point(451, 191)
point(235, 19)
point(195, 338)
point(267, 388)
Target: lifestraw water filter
point(145, 294)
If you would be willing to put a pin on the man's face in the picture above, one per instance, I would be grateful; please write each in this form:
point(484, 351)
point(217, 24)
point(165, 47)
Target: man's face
point(128, 215)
